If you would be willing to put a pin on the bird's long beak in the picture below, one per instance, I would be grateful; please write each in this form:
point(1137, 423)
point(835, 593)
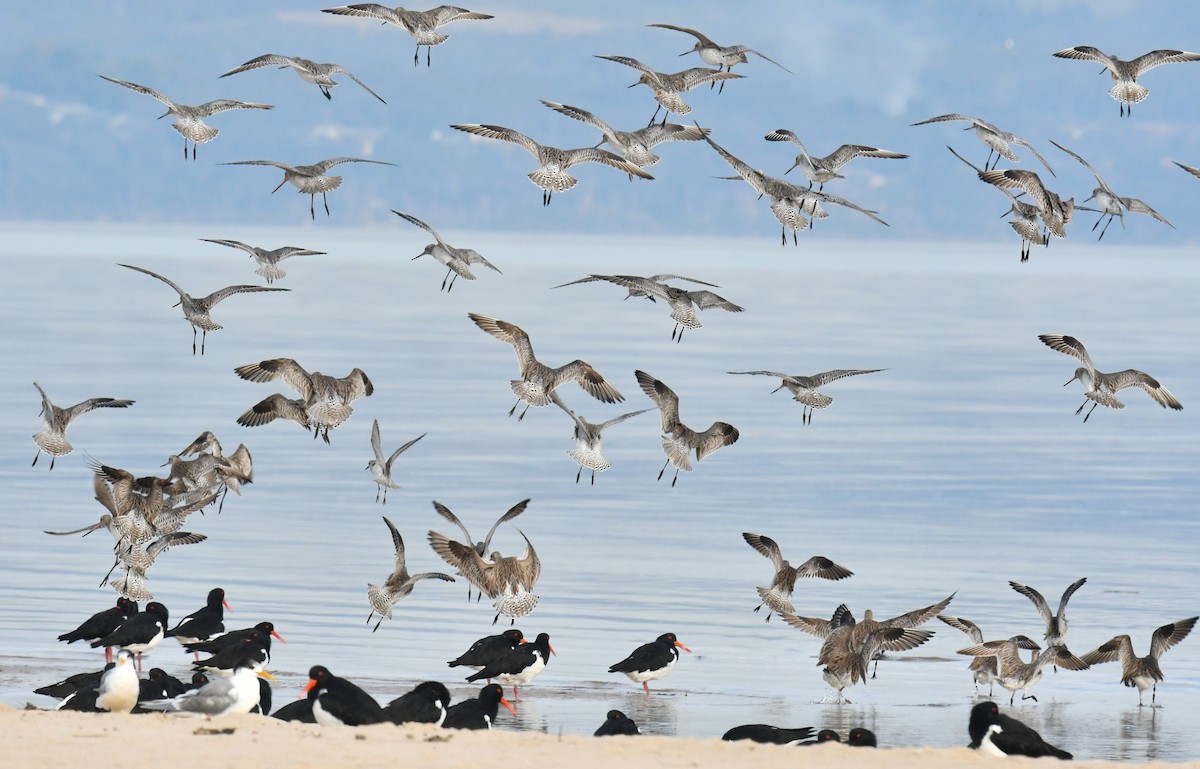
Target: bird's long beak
point(508, 705)
point(276, 634)
point(635, 85)
point(266, 675)
point(280, 185)
point(226, 605)
point(552, 650)
point(308, 687)
point(1069, 381)
point(681, 646)
point(86, 530)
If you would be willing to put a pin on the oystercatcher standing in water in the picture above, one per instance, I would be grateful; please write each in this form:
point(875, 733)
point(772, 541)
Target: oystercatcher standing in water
point(233, 638)
point(204, 623)
point(651, 661)
point(101, 624)
point(486, 650)
point(140, 633)
point(479, 713)
point(519, 665)
point(340, 702)
point(1000, 735)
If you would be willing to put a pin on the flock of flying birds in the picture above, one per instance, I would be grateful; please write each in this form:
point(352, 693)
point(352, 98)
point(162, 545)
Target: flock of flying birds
point(146, 515)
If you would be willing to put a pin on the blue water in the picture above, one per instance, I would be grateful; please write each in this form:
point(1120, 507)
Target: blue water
point(957, 469)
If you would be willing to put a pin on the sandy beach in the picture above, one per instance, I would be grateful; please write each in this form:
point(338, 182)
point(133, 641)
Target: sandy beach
point(51, 740)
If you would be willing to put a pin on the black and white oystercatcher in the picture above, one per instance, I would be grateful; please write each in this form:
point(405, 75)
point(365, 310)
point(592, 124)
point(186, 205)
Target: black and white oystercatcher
point(340, 702)
point(204, 623)
point(519, 665)
point(617, 724)
point(486, 650)
point(233, 638)
point(425, 704)
point(479, 713)
point(651, 661)
point(1000, 735)
point(102, 623)
point(140, 633)
point(772, 735)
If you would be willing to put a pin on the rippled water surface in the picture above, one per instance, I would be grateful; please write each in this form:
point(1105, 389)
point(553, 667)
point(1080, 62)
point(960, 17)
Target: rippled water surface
point(957, 469)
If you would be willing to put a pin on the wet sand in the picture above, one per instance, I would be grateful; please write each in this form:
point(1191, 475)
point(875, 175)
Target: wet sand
point(51, 740)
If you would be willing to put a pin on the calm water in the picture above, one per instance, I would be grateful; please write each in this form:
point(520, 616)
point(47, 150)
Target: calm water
point(958, 468)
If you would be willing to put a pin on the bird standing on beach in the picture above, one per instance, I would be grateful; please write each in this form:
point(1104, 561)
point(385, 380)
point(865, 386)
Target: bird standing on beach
point(999, 735)
point(615, 724)
point(425, 704)
point(339, 702)
point(478, 713)
point(519, 665)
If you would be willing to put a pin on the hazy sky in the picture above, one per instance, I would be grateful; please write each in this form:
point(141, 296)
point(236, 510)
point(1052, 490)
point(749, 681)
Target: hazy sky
point(78, 148)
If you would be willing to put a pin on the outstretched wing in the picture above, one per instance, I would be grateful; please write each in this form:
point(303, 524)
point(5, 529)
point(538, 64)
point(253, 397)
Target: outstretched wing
point(1068, 345)
point(664, 397)
point(229, 291)
point(706, 300)
point(342, 70)
point(826, 377)
point(325, 165)
point(224, 105)
point(143, 89)
point(1133, 378)
point(401, 450)
point(1085, 164)
point(617, 420)
point(168, 281)
point(1170, 634)
point(501, 133)
point(506, 332)
point(399, 573)
point(266, 60)
point(513, 512)
point(278, 368)
point(445, 512)
point(414, 220)
point(766, 546)
point(703, 40)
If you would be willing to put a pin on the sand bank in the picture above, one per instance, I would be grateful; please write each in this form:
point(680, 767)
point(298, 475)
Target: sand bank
point(51, 740)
